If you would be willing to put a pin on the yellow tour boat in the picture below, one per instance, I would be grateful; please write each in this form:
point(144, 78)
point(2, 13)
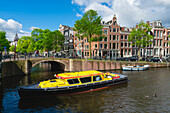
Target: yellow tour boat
point(73, 82)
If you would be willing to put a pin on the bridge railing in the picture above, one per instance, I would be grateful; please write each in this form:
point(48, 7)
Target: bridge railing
point(25, 57)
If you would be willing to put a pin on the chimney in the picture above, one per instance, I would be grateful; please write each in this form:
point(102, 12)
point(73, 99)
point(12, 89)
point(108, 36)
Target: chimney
point(103, 22)
point(147, 23)
point(136, 26)
point(123, 28)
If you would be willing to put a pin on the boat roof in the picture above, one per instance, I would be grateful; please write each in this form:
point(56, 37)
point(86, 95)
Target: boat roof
point(79, 74)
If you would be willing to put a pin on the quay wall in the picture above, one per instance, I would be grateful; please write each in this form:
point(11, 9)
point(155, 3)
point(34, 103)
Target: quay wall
point(82, 65)
point(11, 68)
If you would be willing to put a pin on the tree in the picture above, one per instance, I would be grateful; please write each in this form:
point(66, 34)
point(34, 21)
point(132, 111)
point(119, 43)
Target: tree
point(12, 48)
point(89, 26)
point(58, 40)
point(47, 40)
point(38, 36)
point(25, 44)
point(3, 41)
point(140, 36)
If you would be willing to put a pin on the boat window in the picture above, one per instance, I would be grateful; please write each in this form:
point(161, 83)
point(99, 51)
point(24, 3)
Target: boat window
point(97, 78)
point(86, 79)
point(53, 81)
point(73, 81)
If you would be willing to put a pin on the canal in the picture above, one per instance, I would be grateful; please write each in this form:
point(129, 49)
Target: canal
point(146, 91)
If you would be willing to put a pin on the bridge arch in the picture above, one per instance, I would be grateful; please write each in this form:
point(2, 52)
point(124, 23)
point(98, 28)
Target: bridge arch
point(55, 64)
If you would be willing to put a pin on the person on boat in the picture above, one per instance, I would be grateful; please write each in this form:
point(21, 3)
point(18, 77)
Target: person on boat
point(97, 78)
point(108, 76)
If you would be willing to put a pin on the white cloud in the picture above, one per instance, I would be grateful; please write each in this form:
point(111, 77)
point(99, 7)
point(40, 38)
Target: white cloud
point(11, 27)
point(32, 28)
point(129, 12)
point(78, 15)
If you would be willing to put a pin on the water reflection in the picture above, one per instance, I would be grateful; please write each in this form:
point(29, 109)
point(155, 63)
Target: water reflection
point(73, 103)
point(146, 91)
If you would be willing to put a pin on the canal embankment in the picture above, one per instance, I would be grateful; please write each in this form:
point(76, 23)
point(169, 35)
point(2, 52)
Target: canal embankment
point(11, 68)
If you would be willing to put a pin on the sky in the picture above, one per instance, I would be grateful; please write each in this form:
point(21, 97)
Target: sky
point(22, 16)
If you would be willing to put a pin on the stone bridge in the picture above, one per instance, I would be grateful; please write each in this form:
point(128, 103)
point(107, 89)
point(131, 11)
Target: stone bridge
point(25, 66)
point(10, 68)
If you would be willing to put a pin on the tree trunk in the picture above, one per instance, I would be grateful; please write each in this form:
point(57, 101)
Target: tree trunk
point(138, 54)
point(90, 47)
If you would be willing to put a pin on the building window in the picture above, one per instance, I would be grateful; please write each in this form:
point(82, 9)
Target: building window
point(110, 46)
point(157, 42)
point(101, 46)
point(105, 31)
point(95, 46)
point(125, 51)
point(167, 44)
point(117, 29)
point(129, 51)
point(105, 46)
point(114, 46)
point(156, 51)
point(160, 42)
point(114, 23)
point(110, 37)
point(151, 52)
point(110, 29)
point(161, 34)
point(125, 44)
point(87, 53)
point(129, 44)
point(121, 43)
point(125, 37)
point(114, 29)
point(117, 45)
point(114, 37)
point(157, 33)
point(87, 46)
point(105, 39)
point(154, 42)
point(154, 33)
point(164, 44)
point(121, 36)
point(117, 37)
point(167, 38)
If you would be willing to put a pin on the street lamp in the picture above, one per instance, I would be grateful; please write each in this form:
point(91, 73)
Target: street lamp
point(0, 54)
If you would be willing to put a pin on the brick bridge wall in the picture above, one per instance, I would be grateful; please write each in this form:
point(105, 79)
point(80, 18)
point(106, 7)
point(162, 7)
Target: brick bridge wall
point(25, 66)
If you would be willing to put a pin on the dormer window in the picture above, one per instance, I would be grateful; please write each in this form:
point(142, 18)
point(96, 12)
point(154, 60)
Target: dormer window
point(114, 23)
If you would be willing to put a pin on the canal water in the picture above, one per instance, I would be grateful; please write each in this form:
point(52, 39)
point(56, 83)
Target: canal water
point(146, 91)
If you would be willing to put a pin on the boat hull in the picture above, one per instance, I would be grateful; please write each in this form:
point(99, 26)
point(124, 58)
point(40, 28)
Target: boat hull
point(134, 68)
point(26, 92)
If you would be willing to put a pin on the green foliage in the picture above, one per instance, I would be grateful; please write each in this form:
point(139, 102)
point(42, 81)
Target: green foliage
point(140, 36)
point(3, 41)
point(89, 26)
point(25, 44)
point(47, 40)
point(12, 48)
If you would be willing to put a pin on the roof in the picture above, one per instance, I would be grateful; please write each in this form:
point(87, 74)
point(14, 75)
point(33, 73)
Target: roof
point(78, 74)
point(16, 37)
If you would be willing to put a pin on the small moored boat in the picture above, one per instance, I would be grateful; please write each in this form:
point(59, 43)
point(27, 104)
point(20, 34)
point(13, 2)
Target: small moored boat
point(70, 83)
point(135, 68)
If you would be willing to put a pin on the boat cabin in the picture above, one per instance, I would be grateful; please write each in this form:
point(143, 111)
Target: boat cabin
point(77, 78)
